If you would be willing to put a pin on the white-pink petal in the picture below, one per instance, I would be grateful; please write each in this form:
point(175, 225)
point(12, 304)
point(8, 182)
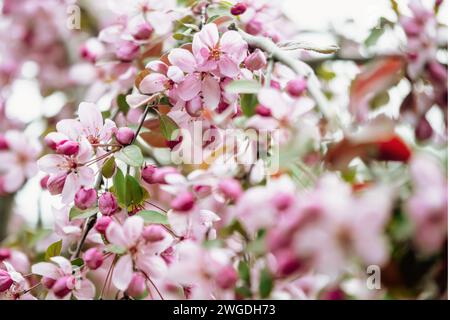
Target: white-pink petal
point(183, 59)
point(123, 272)
point(211, 92)
point(154, 82)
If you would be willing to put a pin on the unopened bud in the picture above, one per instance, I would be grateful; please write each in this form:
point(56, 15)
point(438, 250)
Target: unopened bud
point(68, 148)
point(296, 87)
point(137, 286)
point(63, 286)
point(125, 136)
point(154, 233)
point(107, 204)
point(227, 277)
point(85, 198)
point(127, 51)
point(256, 61)
point(93, 258)
point(231, 189)
point(55, 183)
point(238, 9)
point(102, 224)
point(183, 202)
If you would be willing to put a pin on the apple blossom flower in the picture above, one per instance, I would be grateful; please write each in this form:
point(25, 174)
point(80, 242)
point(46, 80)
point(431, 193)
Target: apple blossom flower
point(18, 162)
point(66, 282)
point(143, 255)
point(223, 54)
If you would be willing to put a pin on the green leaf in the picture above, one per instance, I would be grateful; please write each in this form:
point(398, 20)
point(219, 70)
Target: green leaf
point(76, 213)
point(244, 292)
point(248, 104)
point(243, 86)
point(115, 249)
point(109, 167)
point(131, 155)
point(77, 262)
point(120, 187)
point(244, 271)
point(135, 193)
point(122, 103)
point(167, 126)
point(53, 250)
point(151, 216)
point(265, 283)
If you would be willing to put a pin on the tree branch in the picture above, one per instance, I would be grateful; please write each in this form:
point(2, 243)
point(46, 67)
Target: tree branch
point(297, 66)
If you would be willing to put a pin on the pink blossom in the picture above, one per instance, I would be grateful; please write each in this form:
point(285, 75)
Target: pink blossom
point(223, 54)
point(18, 162)
point(144, 256)
point(61, 270)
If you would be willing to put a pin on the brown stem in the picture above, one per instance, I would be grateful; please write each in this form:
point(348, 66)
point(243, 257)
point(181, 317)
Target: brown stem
point(6, 205)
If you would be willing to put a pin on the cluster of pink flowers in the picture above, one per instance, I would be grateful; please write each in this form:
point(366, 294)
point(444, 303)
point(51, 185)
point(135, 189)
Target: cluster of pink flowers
point(302, 214)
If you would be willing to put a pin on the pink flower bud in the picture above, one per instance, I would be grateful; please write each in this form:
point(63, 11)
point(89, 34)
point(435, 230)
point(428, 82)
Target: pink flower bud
point(137, 286)
point(437, 71)
point(423, 130)
point(183, 202)
point(48, 282)
point(275, 84)
point(263, 111)
point(85, 198)
point(254, 27)
point(107, 204)
point(296, 87)
point(142, 31)
point(238, 9)
point(3, 143)
point(102, 224)
point(67, 147)
point(93, 258)
point(55, 184)
point(283, 201)
point(5, 280)
point(256, 61)
point(231, 189)
point(49, 142)
point(44, 182)
point(125, 136)
point(5, 253)
point(154, 233)
point(127, 51)
point(227, 277)
point(91, 50)
point(63, 286)
point(152, 174)
point(287, 262)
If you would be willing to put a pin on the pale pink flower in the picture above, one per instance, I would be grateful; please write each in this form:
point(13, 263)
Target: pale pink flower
point(143, 255)
point(74, 282)
point(78, 175)
point(18, 162)
point(427, 208)
point(17, 287)
point(220, 54)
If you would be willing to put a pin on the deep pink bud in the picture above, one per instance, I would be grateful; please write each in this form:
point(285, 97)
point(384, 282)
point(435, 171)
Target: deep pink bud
point(137, 286)
point(147, 174)
point(287, 262)
point(227, 277)
point(183, 202)
point(44, 182)
point(437, 71)
point(102, 224)
point(5, 253)
point(423, 130)
point(231, 189)
point(152, 174)
point(3, 143)
point(125, 136)
point(93, 258)
point(283, 201)
point(48, 282)
point(63, 286)
point(296, 87)
point(127, 51)
point(67, 147)
point(5, 280)
point(256, 61)
point(238, 9)
point(142, 31)
point(275, 84)
point(254, 27)
point(107, 204)
point(85, 198)
point(49, 142)
point(154, 233)
point(263, 111)
point(55, 184)
point(91, 50)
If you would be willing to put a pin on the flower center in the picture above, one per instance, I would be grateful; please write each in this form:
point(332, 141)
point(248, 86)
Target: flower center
point(215, 53)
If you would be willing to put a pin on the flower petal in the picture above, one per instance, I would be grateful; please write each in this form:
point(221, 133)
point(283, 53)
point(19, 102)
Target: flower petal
point(183, 59)
point(153, 83)
point(211, 92)
point(123, 272)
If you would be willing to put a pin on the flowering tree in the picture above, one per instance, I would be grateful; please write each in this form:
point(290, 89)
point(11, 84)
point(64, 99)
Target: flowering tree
point(205, 151)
